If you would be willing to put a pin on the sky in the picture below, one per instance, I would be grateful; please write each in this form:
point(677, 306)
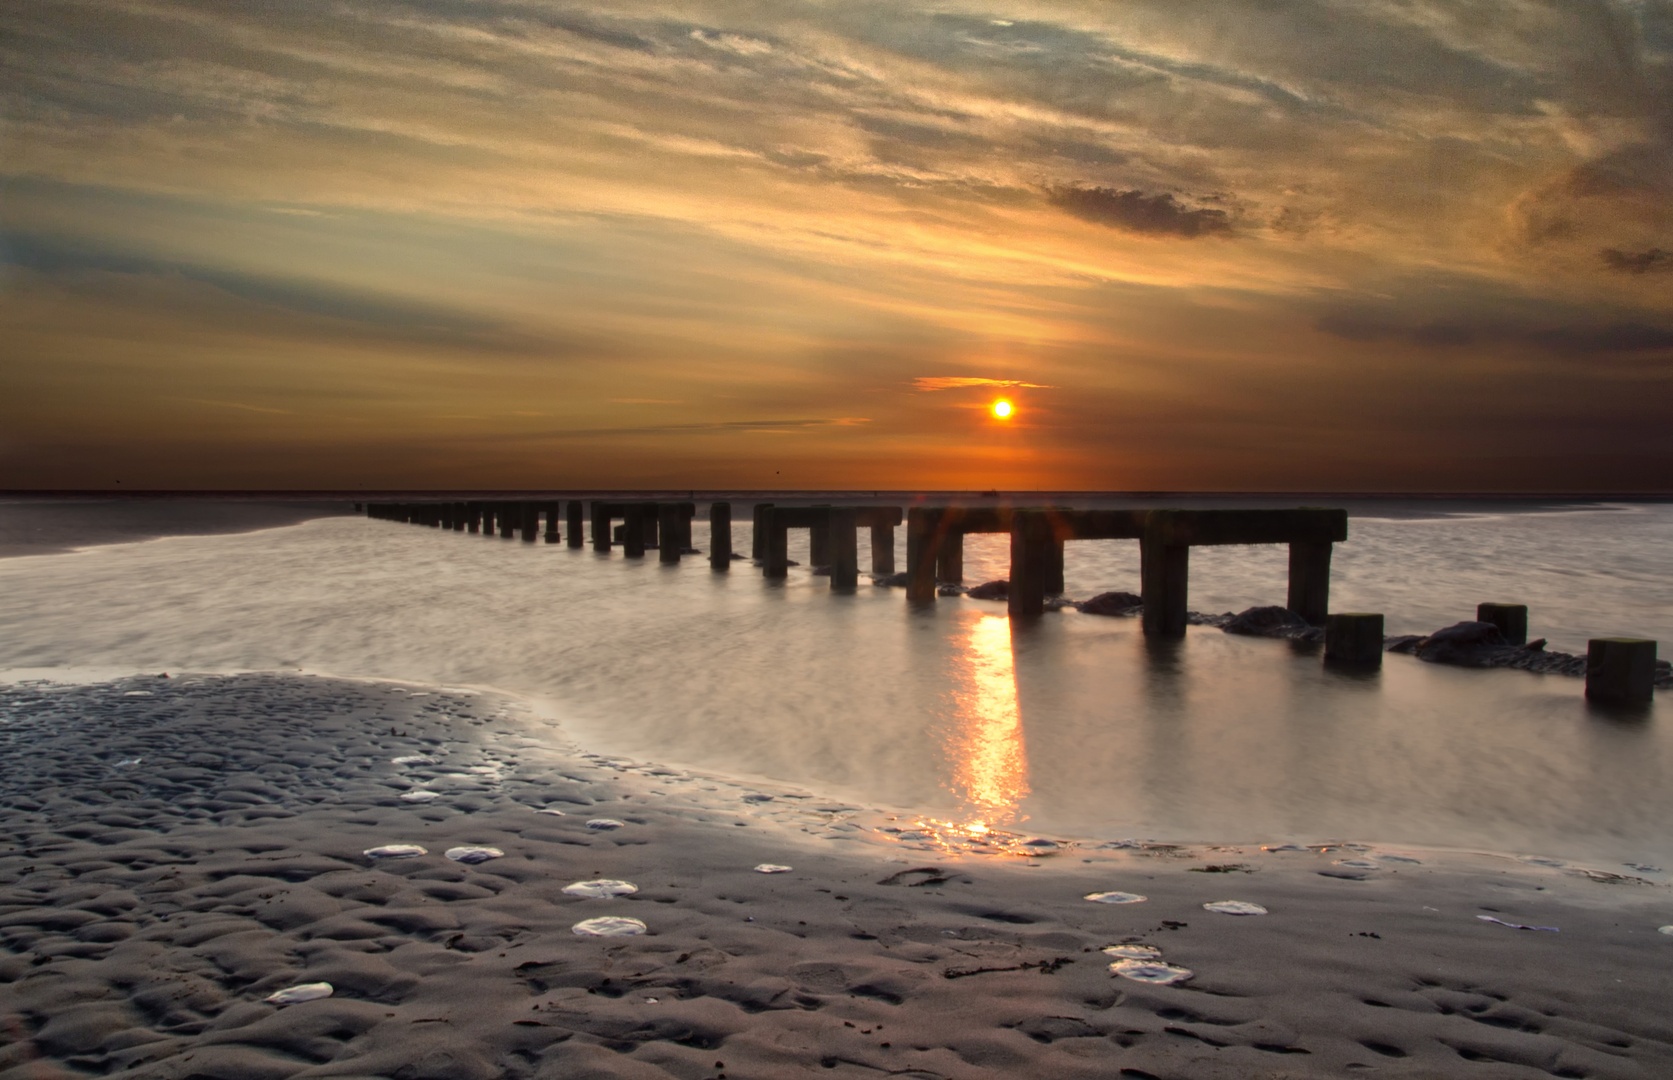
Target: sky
point(1209, 245)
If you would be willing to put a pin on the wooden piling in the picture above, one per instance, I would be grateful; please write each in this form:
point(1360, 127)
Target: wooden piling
point(669, 547)
point(683, 513)
point(1621, 670)
point(818, 548)
point(1032, 541)
point(842, 546)
point(553, 511)
point(473, 517)
point(601, 526)
point(949, 554)
point(720, 536)
point(921, 524)
point(529, 515)
point(775, 562)
point(882, 548)
point(633, 530)
point(1354, 639)
point(1164, 573)
point(489, 512)
point(511, 519)
point(1310, 581)
point(1054, 567)
point(1511, 619)
point(575, 528)
point(758, 532)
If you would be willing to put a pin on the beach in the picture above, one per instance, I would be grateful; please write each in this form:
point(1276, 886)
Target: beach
point(179, 849)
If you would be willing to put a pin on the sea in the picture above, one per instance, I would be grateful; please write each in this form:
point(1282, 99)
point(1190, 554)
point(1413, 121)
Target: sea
point(1070, 727)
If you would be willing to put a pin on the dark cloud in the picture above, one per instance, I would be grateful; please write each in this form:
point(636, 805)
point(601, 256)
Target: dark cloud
point(1654, 261)
point(1571, 340)
point(1135, 211)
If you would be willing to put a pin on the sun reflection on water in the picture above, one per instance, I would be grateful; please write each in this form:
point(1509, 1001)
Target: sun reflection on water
point(986, 750)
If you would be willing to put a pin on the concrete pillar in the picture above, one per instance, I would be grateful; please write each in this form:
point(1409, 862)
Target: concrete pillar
point(1621, 670)
point(921, 526)
point(758, 533)
point(775, 546)
point(529, 512)
point(818, 548)
point(668, 524)
point(949, 556)
point(1310, 581)
point(1354, 638)
point(633, 530)
point(720, 536)
point(1054, 568)
point(843, 547)
point(552, 511)
point(882, 549)
point(1164, 572)
point(576, 537)
point(601, 526)
point(1031, 556)
point(1511, 619)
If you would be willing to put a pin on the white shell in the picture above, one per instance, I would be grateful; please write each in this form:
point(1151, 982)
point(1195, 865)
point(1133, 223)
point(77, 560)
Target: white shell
point(412, 759)
point(1115, 898)
point(1234, 907)
point(420, 796)
point(1151, 971)
point(1134, 952)
point(602, 889)
point(395, 851)
point(549, 810)
point(772, 868)
point(473, 855)
point(608, 926)
point(605, 823)
point(1666, 929)
point(290, 995)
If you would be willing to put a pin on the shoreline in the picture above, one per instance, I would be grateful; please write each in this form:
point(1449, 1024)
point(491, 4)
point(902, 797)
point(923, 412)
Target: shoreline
point(147, 907)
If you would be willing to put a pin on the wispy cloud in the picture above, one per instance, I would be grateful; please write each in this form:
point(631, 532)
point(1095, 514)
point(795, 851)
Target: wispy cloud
point(961, 382)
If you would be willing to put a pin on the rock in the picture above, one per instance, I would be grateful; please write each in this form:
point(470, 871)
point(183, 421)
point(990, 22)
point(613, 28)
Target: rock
point(991, 590)
point(1466, 644)
point(892, 581)
point(1113, 603)
point(1265, 622)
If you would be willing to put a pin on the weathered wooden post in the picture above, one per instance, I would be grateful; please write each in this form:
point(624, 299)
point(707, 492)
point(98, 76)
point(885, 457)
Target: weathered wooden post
point(1354, 639)
point(530, 514)
point(669, 546)
point(1031, 548)
point(720, 536)
point(488, 509)
point(775, 562)
point(1164, 571)
point(553, 510)
point(473, 517)
point(1310, 581)
point(882, 548)
point(949, 551)
point(683, 513)
point(818, 548)
point(1511, 619)
point(921, 526)
point(843, 548)
point(758, 533)
point(511, 519)
point(575, 530)
point(601, 526)
point(633, 530)
point(1621, 670)
point(1054, 567)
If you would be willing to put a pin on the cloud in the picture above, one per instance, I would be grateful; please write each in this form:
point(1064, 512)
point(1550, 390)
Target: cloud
point(960, 382)
point(1134, 211)
point(1654, 260)
point(1576, 339)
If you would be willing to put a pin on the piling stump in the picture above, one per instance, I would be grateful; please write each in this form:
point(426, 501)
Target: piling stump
point(1620, 670)
point(601, 526)
point(576, 539)
point(669, 548)
point(842, 547)
point(633, 530)
point(1511, 619)
point(720, 536)
point(1164, 573)
point(775, 545)
point(1354, 638)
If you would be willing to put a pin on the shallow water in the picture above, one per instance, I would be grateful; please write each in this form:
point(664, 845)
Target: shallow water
point(1074, 726)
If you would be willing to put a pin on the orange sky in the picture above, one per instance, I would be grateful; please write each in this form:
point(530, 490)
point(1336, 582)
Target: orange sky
point(1387, 245)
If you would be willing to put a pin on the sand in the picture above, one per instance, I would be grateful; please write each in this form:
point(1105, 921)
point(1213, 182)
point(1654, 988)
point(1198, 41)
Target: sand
point(177, 850)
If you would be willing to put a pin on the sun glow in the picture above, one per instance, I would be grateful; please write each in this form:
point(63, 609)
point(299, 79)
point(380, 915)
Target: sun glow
point(1002, 409)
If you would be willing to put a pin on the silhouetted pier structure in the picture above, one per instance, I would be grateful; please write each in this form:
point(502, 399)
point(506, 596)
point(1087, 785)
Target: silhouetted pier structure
point(1618, 670)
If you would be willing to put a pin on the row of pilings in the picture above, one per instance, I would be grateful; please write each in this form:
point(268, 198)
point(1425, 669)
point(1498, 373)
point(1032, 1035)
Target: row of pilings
point(1618, 669)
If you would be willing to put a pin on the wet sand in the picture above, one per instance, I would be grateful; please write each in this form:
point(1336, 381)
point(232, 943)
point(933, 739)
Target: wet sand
point(177, 850)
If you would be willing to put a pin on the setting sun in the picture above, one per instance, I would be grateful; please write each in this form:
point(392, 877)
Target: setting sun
point(1002, 409)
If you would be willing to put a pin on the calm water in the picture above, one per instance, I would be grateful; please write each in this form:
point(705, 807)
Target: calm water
point(1073, 726)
